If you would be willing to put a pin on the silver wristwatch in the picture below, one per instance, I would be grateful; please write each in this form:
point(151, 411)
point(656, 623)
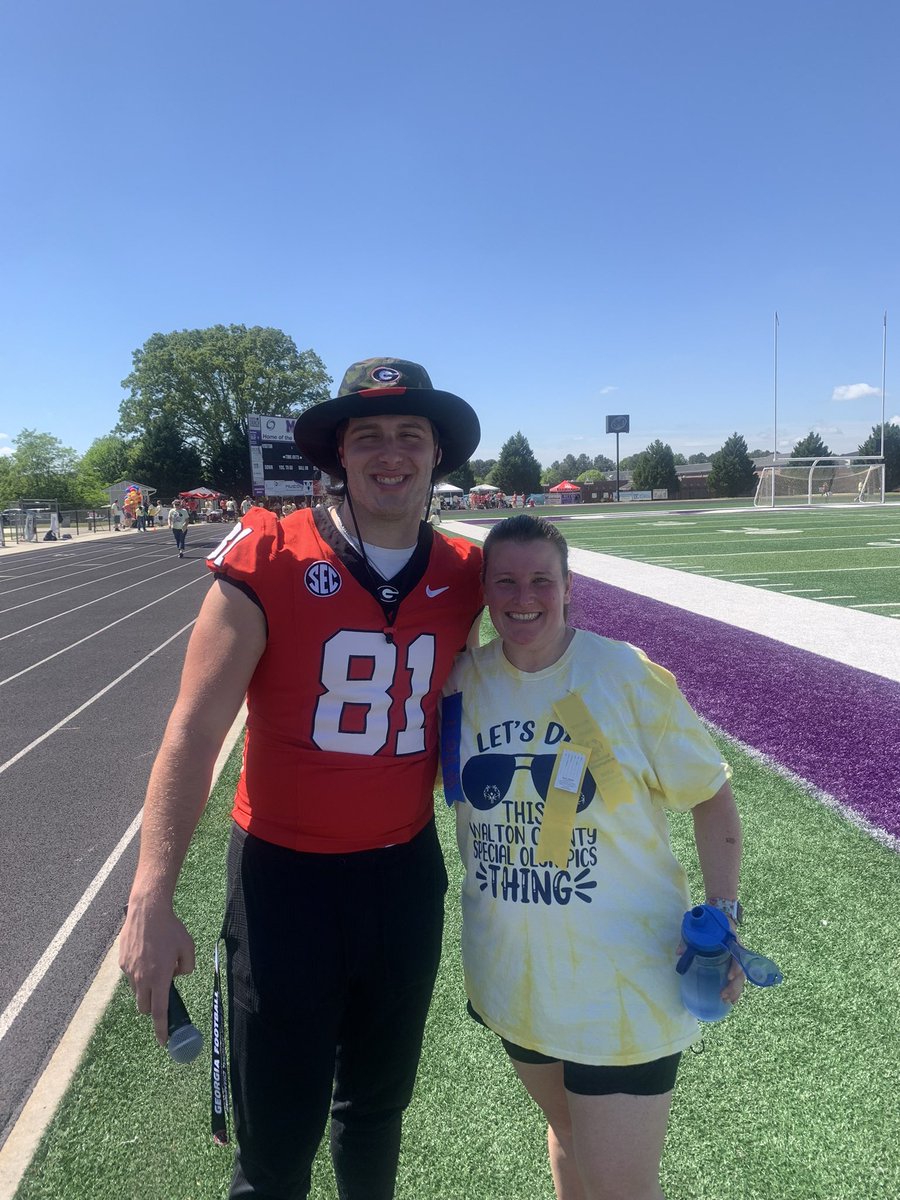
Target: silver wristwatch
point(731, 908)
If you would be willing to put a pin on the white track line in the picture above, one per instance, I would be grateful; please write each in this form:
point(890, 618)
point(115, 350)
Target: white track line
point(88, 603)
point(10, 762)
point(88, 567)
point(65, 591)
point(43, 964)
point(134, 612)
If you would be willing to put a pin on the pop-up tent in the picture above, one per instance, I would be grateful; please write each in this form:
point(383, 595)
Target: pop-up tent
point(200, 493)
point(565, 493)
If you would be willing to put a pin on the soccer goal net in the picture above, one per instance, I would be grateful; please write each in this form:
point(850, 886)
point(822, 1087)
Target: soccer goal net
point(820, 481)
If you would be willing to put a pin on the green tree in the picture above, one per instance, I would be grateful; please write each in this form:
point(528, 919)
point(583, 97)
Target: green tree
point(679, 460)
point(463, 477)
point(209, 381)
point(655, 468)
point(872, 445)
point(552, 475)
point(591, 476)
point(481, 468)
point(108, 458)
point(760, 453)
point(732, 471)
point(811, 446)
point(604, 464)
point(516, 470)
point(43, 468)
point(629, 462)
point(698, 458)
point(162, 459)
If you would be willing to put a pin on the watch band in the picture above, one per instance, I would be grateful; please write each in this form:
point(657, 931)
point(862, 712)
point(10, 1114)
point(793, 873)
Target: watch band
point(731, 908)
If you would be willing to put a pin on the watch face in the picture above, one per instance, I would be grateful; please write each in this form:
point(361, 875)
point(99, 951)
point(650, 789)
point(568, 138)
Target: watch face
point(619, 424)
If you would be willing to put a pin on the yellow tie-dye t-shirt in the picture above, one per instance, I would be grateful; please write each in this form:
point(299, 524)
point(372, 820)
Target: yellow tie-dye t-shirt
point(577, 962)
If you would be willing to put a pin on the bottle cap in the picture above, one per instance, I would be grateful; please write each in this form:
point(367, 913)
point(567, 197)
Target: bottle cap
point(705, 929)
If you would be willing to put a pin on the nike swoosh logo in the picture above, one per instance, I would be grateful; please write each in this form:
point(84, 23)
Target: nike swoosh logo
point(432, 592)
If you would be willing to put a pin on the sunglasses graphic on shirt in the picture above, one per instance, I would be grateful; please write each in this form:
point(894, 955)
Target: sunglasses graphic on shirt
point(486, 780)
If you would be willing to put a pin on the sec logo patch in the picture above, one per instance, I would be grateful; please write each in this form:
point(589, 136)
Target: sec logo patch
point(322, 579)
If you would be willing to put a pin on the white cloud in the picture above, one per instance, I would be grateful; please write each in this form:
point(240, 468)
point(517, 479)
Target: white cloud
point(6, 451)
point(604, 391)
point(854, 391)
point(894, 420)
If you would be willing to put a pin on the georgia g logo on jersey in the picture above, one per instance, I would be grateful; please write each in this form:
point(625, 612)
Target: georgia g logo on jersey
point(322, 579)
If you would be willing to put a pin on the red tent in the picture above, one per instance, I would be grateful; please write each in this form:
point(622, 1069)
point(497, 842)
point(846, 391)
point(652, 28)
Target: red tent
point(201, 493)
point(566, 486)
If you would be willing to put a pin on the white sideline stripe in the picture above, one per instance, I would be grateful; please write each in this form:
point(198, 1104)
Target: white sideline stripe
point(886, 604)
point(75, 712)
point(88, 603)
point(864, 640)
point(134, 612)
point(40, 1108)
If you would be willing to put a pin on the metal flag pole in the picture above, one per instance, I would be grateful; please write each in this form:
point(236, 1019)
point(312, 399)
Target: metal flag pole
point(775, 395)
point(883, 367)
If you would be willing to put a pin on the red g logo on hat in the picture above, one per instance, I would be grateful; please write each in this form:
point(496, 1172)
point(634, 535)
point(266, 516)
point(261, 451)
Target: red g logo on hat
point(385, 374)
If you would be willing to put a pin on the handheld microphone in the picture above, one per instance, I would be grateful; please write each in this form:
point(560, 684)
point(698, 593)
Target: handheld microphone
point(185, 1039)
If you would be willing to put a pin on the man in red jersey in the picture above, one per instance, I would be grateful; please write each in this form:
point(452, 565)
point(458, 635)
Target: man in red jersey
point(340, 625)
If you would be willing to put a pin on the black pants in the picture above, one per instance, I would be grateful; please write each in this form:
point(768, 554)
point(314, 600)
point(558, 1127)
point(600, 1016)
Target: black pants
point(331, 965)
point(180, 536)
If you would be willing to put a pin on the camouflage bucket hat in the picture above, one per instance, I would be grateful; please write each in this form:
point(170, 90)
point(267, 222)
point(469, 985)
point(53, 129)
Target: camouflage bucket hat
point(379, 387)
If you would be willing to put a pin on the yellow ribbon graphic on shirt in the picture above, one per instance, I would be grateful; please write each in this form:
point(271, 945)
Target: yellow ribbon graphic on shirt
point(590, 743)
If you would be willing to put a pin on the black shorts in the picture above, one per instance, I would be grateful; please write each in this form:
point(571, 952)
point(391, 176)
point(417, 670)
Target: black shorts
point(640, 1079)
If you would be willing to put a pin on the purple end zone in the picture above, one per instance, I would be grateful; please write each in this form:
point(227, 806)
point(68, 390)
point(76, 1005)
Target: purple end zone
point(831, 724)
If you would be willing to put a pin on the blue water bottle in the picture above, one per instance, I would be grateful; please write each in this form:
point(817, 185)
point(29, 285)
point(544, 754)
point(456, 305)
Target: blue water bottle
point(705, 964)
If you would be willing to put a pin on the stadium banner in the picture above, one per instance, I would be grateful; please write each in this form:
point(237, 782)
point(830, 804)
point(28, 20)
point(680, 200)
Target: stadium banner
point(277, 468)
point(640, 496)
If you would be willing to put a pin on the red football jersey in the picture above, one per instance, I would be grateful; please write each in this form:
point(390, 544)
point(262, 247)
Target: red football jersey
point(341, 747)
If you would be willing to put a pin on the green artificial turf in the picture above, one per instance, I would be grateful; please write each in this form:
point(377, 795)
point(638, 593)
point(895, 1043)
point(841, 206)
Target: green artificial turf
point(792, 1097)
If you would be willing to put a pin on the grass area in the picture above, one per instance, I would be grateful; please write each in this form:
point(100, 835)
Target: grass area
point(791, 1099)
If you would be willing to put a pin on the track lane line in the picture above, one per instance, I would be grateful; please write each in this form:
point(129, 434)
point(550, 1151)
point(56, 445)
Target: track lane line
point(10, 762)
point(88, 603)
point(118, 621)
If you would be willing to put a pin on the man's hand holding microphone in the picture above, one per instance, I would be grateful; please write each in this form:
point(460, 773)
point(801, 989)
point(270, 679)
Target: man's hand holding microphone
point(153, 948)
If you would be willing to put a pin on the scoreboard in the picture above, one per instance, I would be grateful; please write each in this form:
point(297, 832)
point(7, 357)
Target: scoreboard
point(277, 468)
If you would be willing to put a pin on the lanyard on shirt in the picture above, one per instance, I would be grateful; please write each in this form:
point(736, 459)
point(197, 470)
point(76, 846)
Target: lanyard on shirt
point(219, 1104)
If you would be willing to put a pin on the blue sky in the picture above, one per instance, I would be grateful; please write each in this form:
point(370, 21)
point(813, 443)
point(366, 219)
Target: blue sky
point(562, 210)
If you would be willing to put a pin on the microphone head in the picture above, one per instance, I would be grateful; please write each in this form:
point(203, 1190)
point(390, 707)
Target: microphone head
point(185, 1044)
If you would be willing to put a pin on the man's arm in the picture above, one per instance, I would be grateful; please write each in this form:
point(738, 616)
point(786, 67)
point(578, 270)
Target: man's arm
point(226, 645)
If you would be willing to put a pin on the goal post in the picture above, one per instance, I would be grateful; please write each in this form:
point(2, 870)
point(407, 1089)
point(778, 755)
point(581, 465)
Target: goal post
point(812, 481)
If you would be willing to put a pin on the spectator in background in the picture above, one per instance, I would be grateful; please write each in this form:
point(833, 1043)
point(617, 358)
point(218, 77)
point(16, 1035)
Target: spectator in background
point(246, 505)
point(178, 523)
point(116, 513)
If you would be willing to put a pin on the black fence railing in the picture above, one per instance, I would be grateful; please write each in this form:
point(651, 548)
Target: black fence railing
point(38, 525)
